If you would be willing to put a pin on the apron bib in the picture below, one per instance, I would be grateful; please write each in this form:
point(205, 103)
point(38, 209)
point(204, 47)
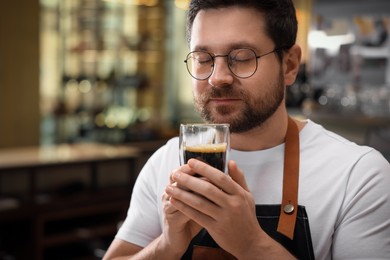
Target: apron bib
point(287, 223)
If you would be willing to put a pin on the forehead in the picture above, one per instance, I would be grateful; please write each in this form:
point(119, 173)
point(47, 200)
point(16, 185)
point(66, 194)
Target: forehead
point(227, 28)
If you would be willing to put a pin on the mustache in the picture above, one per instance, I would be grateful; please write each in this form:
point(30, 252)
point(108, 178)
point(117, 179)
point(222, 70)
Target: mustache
point(223, 92)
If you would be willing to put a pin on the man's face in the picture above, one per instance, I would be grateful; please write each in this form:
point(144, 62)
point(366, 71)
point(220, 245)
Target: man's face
point(225, 98)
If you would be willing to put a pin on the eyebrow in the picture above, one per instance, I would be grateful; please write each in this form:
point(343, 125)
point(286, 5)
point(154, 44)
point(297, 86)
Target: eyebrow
point(236, 45)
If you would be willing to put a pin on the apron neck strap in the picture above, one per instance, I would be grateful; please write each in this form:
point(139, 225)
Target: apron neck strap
point(289, 205)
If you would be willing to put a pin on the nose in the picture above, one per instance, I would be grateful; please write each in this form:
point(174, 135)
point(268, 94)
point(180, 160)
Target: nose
point(221, 75)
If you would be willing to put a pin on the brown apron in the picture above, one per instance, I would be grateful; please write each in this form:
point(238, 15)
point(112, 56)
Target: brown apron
point(286, 223)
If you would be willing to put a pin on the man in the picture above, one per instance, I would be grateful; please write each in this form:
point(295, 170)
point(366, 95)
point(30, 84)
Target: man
point(243, 56)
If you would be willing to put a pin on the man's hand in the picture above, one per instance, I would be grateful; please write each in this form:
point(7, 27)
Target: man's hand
point(224, 206)
point(178, 229)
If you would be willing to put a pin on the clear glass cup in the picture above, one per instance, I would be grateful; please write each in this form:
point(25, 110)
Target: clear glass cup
point(209, 143)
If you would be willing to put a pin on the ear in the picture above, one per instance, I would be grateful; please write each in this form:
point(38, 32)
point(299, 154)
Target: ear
point(291, 62)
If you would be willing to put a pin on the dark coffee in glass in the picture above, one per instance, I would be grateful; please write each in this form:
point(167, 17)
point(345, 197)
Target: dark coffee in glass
point(209, 143)
point(212, 154)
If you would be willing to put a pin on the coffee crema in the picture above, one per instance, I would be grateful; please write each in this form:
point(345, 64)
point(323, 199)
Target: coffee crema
point(212, 154)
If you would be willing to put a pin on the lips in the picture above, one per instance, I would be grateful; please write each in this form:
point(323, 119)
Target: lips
point(224, 98)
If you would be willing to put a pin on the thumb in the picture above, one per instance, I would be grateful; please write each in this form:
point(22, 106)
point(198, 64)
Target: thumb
point(237, 175)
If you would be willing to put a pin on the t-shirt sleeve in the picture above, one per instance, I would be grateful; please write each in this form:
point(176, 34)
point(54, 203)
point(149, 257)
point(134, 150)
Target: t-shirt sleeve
point(363, 227)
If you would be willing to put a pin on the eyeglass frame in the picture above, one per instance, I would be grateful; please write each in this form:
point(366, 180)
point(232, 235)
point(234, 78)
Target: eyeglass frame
point(227, 56)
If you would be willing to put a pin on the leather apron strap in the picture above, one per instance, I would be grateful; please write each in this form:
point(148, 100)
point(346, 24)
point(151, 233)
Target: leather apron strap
point(289, 205)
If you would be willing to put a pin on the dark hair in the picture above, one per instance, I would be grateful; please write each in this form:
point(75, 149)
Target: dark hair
point(280, 18)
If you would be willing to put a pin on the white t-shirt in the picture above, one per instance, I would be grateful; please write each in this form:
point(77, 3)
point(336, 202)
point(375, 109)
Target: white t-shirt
point(344, 187)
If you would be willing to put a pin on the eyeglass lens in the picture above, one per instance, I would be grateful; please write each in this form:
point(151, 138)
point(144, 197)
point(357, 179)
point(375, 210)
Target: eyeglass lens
point(241, 62)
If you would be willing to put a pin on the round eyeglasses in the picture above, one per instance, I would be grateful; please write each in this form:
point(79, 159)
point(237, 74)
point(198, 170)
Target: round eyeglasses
point(241, 62)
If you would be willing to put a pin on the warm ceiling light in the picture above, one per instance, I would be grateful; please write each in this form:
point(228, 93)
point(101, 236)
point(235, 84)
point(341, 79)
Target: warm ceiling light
point(134, 2)
point(145, 2)
point(182, 4)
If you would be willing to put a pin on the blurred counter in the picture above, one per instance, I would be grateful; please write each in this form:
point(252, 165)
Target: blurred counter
point(29, 157)
point(353, 123)
point(55, 200)
point(360, 128)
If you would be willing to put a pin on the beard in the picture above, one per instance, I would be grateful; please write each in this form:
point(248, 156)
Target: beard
point(256, 111)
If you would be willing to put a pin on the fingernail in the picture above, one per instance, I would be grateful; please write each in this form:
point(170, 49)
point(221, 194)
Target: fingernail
point(192, 162)
point(169, 188)
point(176, 175)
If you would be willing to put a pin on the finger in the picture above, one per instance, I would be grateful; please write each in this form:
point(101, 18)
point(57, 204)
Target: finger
point(164, 197)
point(182, 169)
point(195, 213)
point(201, 186)
point(221, 180)
point(168, 208)
point(237, 175)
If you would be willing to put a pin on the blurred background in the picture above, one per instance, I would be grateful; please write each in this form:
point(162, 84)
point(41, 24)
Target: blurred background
point(89, 89)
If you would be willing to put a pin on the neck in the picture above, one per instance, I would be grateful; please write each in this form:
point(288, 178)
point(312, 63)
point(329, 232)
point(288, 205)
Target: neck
point(270, 134)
